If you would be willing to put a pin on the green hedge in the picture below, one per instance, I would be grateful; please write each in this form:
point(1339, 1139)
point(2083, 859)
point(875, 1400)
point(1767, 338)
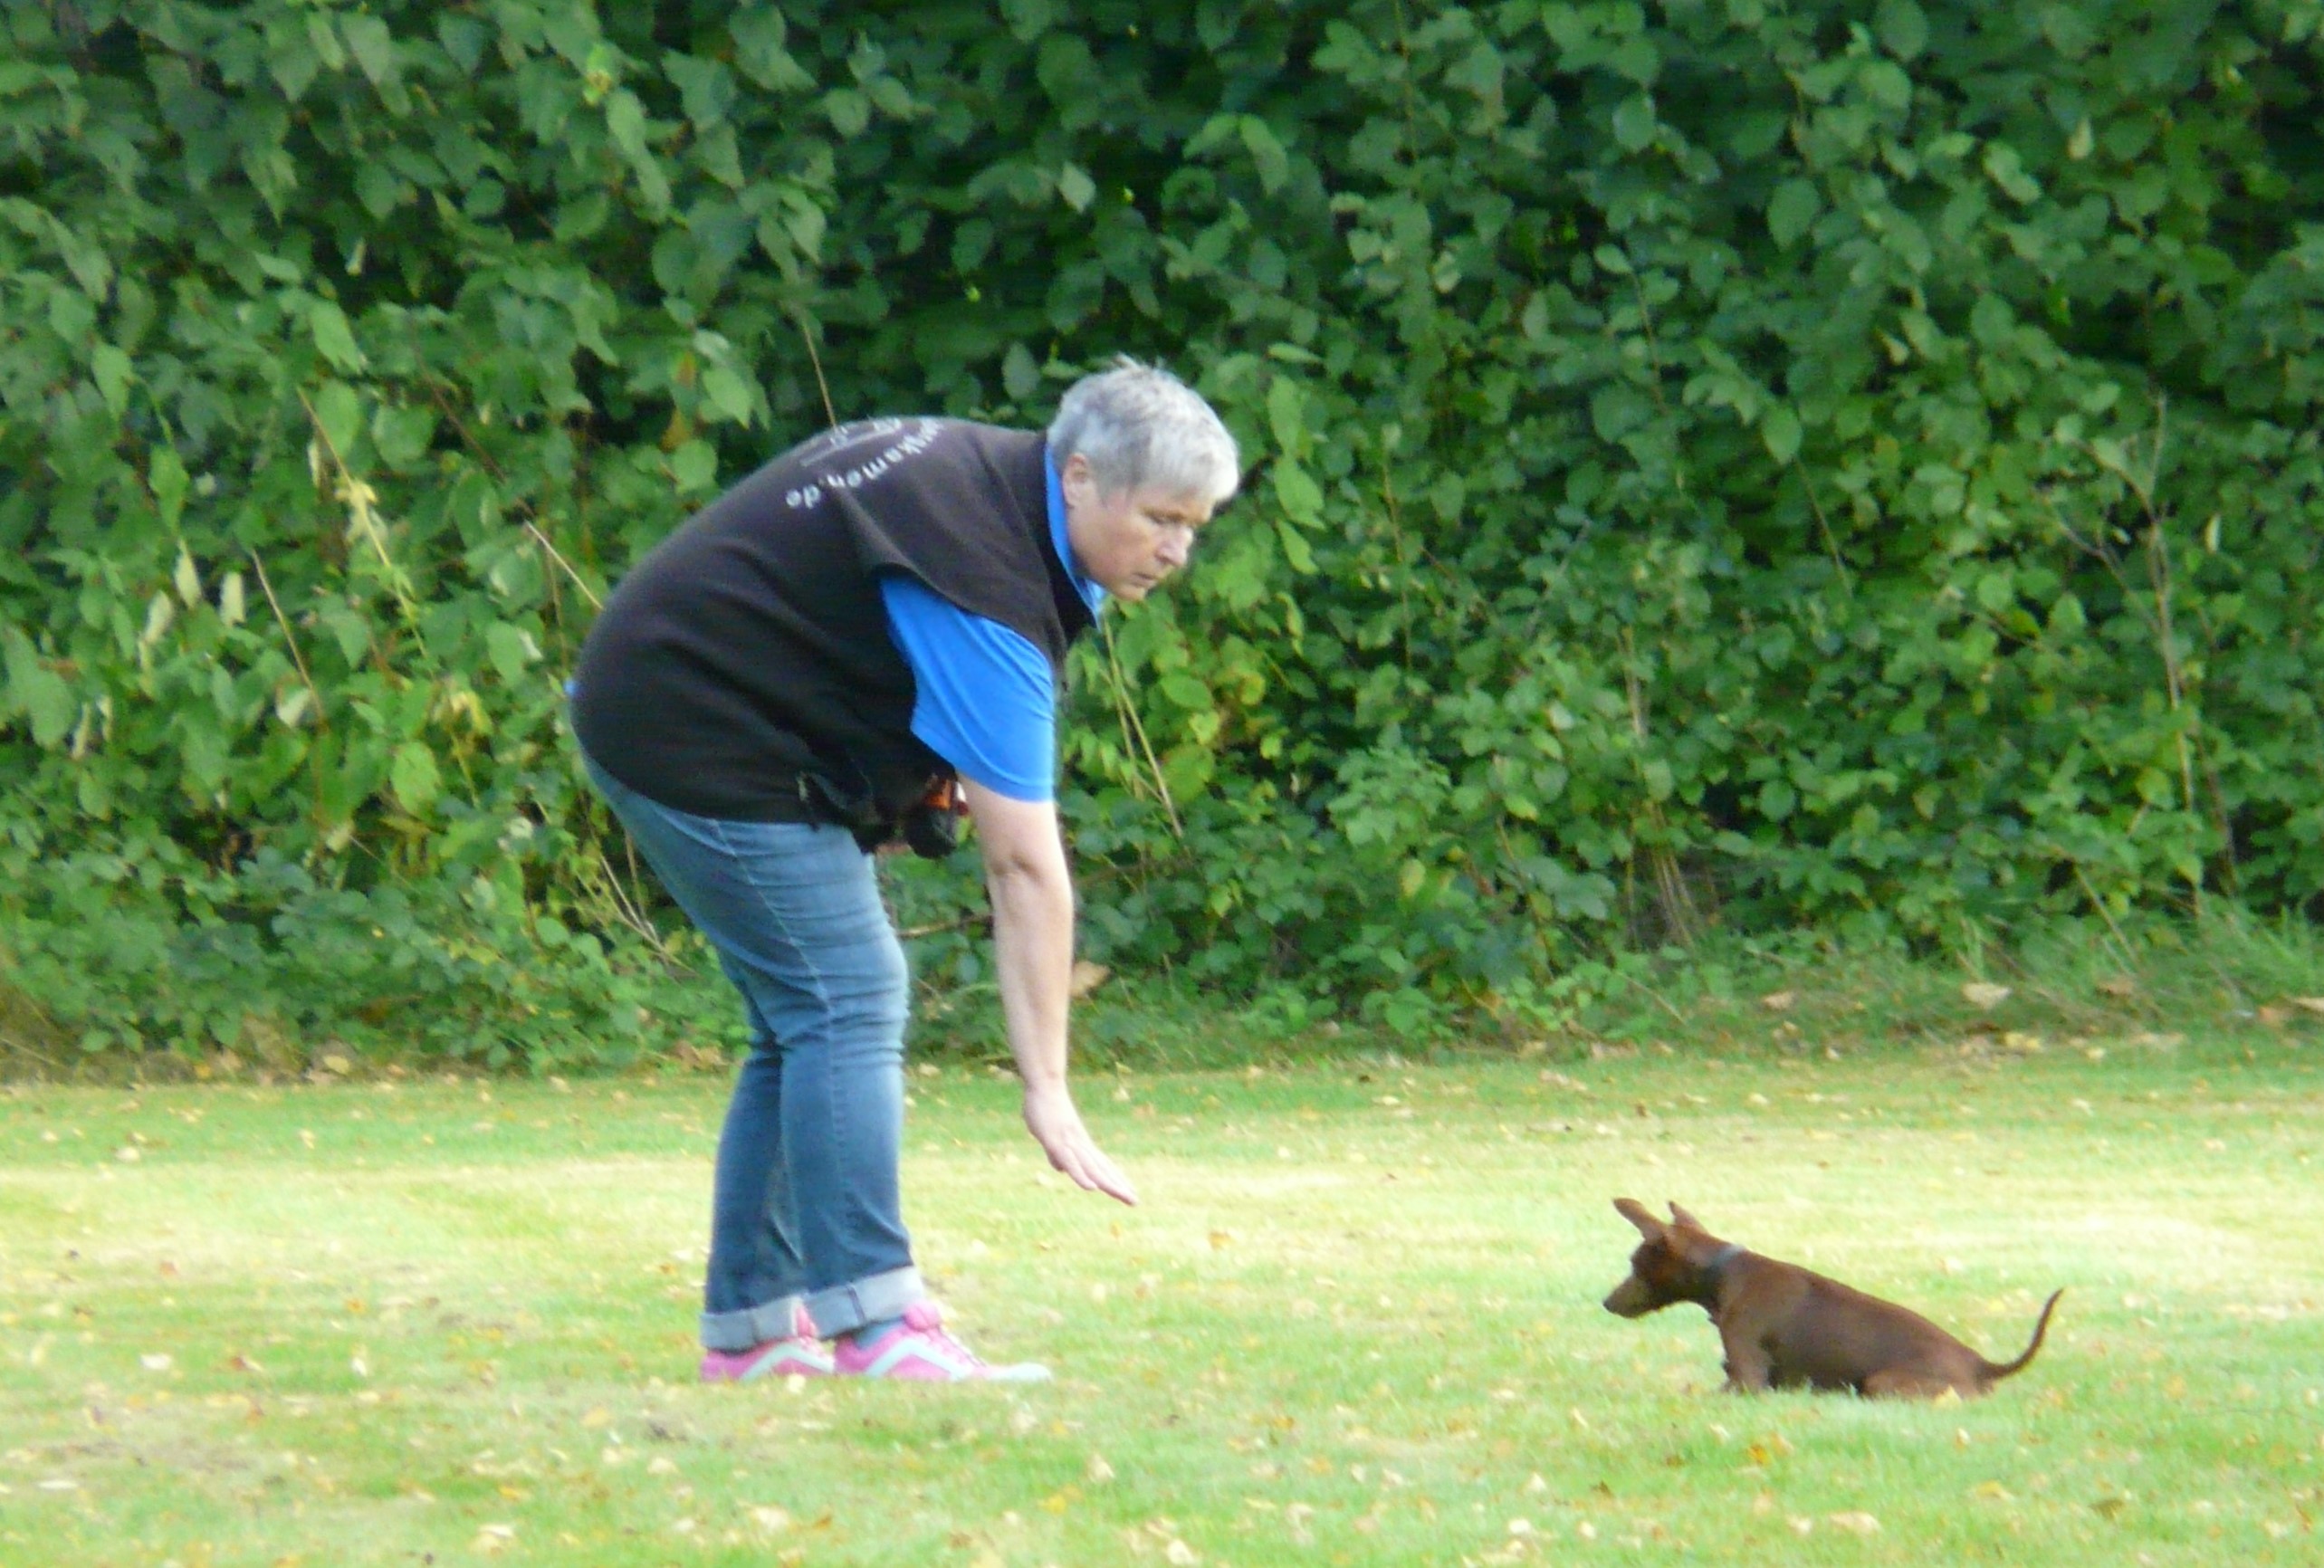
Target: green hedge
point(1740, 464)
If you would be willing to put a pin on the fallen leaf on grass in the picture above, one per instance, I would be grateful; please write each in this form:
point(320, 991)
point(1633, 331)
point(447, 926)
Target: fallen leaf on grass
point(494, 1539)
point(155, 1363)
point(1859, 1524)
point(1778, 1002)
point(2309, 1004)
point(1992, 1492)
point(1098, 1471)
point(1087, 977)
point(768, 1517)
point(1979, 994)
point(2121, 985)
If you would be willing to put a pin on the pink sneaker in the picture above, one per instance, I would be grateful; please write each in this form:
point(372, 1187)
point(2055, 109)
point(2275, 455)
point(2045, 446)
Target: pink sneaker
point(919, 1351)
point(799, 1354)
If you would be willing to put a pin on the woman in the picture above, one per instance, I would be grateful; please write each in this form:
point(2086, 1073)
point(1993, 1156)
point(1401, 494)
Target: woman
point(787, 682)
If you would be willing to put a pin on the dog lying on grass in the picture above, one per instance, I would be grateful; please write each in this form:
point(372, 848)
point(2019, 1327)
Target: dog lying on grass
point(1784, 1327)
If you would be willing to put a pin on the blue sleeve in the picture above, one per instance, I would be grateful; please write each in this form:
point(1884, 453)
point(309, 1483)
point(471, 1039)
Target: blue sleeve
point(986, 701)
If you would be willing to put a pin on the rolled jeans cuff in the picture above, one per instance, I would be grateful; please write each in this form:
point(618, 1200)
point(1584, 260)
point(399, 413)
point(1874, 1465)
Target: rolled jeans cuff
point(875, 1298)
point(739, 1330)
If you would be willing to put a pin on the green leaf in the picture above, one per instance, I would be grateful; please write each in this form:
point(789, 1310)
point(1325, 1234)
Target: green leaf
point(38, 691)
point(707, 88)
point(511, 651)
point(334, 337)
point(1635, 125)
point(625, 119)
point(2008, 171)
point(112, 370)
point(291, 61)
point(165, 477)
point(1792, 209)
point(1021, 375)
point(1028, 19)
point(373, 46)
point(758, 32)
point(1295, 549)
point(1902, 29)
point(1268, 157)
point(1780, 429)
point(413, 775)
point(694, 465)
point(849, 111)
point(1301, 497)
point(340, 412)
point(1885, 84)
point(728, 394)
point(465, 39)
point(1075, 188)
point(1284, 416)
point(204, 748)
point(402, 435)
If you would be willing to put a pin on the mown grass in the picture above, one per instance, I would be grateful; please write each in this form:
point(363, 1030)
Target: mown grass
point(1355, 1321)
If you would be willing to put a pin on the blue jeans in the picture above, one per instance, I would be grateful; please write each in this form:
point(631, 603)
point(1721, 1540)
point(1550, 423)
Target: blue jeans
point(804, 1207)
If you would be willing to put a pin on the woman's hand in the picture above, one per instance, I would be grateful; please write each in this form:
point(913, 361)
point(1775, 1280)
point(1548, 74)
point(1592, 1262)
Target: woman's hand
point(1056, 1124)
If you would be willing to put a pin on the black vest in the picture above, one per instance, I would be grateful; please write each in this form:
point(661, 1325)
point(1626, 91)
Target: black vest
point(750, 650)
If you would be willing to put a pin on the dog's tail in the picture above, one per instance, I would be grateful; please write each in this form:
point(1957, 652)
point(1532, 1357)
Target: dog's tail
point(1993, 1374)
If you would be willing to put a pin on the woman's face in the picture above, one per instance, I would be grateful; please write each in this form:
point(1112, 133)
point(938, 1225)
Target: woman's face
point(1131, 541)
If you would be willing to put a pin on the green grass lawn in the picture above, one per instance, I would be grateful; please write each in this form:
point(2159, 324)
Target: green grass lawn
point(1356, 1321)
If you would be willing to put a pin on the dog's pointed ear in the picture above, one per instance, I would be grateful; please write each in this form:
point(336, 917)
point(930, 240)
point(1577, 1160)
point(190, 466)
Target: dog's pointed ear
point(1683, 1218)
point(1638, 1214)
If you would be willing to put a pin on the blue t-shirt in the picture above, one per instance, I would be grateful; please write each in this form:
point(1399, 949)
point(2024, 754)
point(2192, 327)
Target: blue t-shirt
point(986, 700)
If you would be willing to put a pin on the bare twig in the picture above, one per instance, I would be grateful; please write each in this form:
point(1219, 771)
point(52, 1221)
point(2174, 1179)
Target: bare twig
point(2121, 942)
point(363, 521)
point(1403, 567)
point(1669, 884)
point(631, 915)
point(322, 717)
point(830, 414)
point(542, 539)
point(10, 1042)
point(1130, 712)
point(1823, 524)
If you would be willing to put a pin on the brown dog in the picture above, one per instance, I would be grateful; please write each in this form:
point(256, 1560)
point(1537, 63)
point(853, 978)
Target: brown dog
point(1783, 1326)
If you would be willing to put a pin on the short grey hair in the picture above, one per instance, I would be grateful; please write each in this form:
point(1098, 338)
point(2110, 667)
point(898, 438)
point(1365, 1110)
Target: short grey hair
point(1139, 425)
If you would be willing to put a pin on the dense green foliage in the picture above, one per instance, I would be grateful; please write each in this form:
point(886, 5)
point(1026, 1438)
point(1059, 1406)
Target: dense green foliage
point(1721, 464)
